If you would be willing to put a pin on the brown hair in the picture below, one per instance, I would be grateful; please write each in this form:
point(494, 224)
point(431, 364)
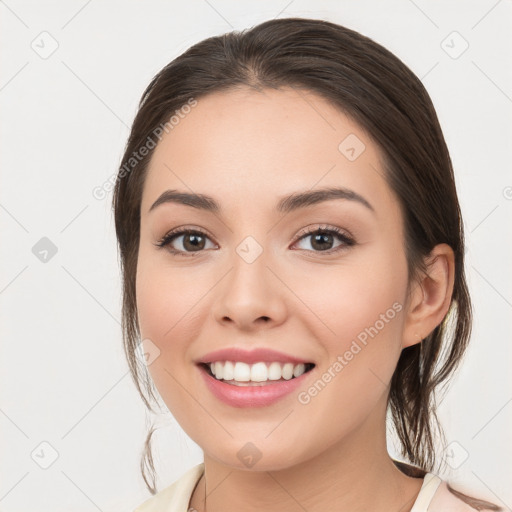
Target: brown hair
point(373, 87)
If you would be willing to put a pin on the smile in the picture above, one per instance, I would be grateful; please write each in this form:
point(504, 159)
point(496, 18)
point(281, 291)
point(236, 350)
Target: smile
point(260, 384)
point(240, 373)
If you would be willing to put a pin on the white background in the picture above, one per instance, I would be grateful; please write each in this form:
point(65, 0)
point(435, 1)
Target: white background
point(65, 120)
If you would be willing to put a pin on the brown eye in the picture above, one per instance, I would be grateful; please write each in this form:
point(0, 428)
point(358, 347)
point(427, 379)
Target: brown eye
point(323, 240)
point(184, 242)
point(193, 242)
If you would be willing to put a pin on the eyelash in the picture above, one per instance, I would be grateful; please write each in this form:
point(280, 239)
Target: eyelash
point(332, 230)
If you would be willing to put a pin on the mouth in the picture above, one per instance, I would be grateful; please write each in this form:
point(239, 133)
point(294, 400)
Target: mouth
point(258, 385)
point(238, 373)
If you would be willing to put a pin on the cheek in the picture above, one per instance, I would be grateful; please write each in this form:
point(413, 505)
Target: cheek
point(170, 315)
point(358, 317)
point(159, 311)
point(361, 314)
point(348, 300)
point(167, 299)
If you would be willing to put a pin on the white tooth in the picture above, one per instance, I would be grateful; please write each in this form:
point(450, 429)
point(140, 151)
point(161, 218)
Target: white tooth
point(228, 370)
point(287, 371)
point(259, 372)
point(299, 369)
point(242, 372)
point(274, 371)
point(218, 370)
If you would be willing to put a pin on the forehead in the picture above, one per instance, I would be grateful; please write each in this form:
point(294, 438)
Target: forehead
point(241, 145)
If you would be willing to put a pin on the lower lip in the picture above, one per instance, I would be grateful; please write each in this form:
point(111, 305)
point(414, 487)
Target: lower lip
point(251, 396)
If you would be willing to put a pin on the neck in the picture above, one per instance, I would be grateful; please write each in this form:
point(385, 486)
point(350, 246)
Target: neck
point(354, 474)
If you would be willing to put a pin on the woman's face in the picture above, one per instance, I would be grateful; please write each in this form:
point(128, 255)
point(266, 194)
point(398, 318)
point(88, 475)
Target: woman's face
point(256, 278)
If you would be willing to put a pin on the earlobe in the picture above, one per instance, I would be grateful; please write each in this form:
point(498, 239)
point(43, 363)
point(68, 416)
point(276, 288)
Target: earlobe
point(430, 296)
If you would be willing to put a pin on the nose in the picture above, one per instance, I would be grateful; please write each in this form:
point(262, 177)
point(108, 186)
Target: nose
point(250, 296)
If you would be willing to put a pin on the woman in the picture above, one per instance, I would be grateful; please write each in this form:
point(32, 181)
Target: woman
point(279, 357)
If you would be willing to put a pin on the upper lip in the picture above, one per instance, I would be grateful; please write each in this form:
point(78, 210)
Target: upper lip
point(265, 355)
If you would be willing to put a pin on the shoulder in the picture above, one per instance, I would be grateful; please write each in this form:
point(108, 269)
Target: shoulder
point(448, 498)
point(175, 497)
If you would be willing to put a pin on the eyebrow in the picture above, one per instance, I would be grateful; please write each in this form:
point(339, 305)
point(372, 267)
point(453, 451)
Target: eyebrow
point(285, 204)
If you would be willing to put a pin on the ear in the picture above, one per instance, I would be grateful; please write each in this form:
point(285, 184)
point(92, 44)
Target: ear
point(430, 296)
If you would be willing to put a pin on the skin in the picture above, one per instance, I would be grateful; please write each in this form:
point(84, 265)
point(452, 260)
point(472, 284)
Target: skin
point(247, 149)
